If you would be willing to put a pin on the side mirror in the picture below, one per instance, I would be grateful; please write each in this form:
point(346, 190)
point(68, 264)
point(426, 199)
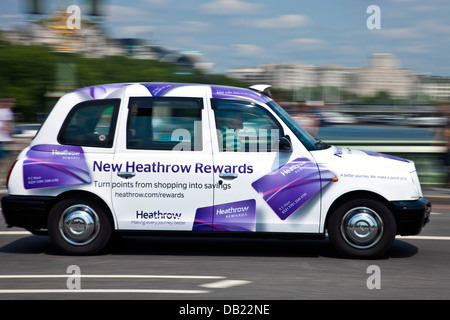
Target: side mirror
point(284, 144)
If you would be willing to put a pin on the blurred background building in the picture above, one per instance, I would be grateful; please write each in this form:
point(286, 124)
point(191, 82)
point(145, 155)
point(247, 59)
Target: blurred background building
point(52, 31)
point(433, 86)
point(383, 73)
point(92, 41)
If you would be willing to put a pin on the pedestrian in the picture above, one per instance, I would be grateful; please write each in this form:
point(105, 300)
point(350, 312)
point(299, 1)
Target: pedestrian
point(304, 115)
point(6, 124)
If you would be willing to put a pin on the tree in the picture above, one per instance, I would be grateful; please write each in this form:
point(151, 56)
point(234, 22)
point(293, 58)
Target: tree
point(27, 71)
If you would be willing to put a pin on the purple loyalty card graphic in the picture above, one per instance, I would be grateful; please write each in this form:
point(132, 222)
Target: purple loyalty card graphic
point(292, 185)
point(234, 216)
point(54, 166)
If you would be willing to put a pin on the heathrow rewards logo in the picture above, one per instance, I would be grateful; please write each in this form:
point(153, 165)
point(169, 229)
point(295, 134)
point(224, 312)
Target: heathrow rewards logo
point(54, 166)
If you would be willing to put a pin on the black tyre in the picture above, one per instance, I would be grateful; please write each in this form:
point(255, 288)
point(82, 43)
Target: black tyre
point(362, 228)
point(80, 225)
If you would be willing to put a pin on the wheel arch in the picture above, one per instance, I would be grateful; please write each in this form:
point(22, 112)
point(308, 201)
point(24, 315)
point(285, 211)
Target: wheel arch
point(362, 194)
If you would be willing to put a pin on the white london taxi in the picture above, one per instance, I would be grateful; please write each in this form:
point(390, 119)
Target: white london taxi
point(192, 159)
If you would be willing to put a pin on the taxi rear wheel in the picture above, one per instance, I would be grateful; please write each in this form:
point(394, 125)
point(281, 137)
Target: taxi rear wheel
point(362, 228)
point(80, 226)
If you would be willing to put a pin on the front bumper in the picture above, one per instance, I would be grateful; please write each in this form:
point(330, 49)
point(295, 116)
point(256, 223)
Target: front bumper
point(411, 216)
point(29, 212)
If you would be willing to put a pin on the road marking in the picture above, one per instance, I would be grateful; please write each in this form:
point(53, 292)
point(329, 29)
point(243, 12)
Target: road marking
point(222, 283)
point(8, 233)
point(423, 238)
point(225, 284)
point(105, 276)
point(11, 291)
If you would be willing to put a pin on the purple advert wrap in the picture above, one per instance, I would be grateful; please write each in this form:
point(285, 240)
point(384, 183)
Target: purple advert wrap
point(289, 187)
point(223, 92)
point(233, 216)
point(382, 155)
point(54, 166)
point(101, 91)
point(160, 89)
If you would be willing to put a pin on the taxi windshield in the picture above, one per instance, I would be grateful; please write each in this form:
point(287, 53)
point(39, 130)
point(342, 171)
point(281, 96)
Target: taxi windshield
point(308, 141)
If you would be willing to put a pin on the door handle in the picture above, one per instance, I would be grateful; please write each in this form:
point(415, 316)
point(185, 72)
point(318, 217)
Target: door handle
point(228, 176)
point(126, 175)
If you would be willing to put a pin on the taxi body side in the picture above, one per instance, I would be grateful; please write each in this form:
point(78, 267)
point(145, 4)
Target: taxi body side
point(202, 160)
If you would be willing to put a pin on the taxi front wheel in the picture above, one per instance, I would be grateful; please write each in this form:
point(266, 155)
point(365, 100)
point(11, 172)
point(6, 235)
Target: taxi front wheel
point(79, 226)
point(362, 228)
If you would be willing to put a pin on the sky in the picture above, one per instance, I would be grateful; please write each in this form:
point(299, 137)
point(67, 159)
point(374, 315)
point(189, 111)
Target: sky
point(245, 33)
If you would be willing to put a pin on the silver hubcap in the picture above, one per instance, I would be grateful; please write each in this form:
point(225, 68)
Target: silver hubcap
point(79, 225)
point(362, 227)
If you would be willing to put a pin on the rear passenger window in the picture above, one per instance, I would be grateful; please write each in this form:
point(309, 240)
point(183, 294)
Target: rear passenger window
point(165, 124)
point(91, 124)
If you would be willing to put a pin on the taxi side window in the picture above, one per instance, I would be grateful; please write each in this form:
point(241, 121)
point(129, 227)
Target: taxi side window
point(164, 124)
point(245, 127)
point(91, 124)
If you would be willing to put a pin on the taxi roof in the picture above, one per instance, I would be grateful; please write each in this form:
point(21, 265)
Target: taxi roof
point(158, 89)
